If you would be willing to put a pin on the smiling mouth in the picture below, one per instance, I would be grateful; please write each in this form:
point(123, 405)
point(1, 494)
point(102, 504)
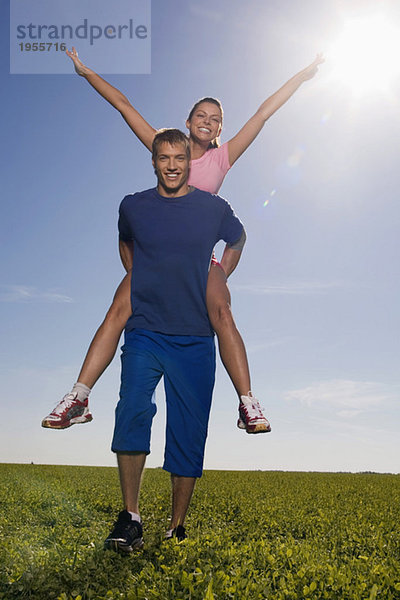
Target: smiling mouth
point(171, 176)
point(204, 129)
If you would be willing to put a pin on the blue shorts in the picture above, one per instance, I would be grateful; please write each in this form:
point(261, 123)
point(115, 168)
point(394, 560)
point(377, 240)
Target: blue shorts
point(188, 366)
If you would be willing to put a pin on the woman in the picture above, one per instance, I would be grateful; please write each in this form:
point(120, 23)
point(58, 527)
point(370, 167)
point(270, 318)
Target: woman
point(209, 164)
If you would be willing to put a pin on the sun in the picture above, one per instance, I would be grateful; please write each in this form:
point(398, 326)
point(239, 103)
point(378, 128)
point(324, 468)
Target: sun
point(365, 56)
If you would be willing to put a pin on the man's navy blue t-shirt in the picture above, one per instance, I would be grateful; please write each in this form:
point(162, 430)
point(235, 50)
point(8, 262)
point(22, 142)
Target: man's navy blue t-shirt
point(173, 243)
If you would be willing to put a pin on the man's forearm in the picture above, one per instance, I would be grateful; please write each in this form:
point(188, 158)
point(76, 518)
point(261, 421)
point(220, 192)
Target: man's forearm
point(229, 260)
point(126, 254)
point(232, 254)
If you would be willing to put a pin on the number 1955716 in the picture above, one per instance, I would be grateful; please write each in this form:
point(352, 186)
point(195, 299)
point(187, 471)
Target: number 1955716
point(41, 46)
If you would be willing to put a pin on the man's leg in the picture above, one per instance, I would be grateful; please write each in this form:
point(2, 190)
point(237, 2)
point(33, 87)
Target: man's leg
point(182, 490)
point(189, 363)
point(130, 475)
point(189, 370)
point(127, 533)
point(131, 441)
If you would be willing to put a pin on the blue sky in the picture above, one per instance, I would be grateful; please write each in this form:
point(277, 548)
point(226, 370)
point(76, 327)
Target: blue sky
point(316, 293)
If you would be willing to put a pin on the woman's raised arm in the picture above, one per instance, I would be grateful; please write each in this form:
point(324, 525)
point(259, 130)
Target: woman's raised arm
point(242, 140)
point(134, 119)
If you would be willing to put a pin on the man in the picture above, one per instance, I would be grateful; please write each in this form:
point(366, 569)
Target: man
point(174, 229)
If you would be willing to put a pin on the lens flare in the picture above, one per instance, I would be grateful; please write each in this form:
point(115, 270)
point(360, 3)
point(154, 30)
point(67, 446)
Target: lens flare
point(271, 195)
point(295, 158)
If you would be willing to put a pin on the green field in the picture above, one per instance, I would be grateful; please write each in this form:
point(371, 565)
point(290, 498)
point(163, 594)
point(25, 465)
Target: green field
point(252, 535)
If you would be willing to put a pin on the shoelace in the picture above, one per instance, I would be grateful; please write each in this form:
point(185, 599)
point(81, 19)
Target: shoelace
point(254, 410)
point(122, 528)
point(66, 402)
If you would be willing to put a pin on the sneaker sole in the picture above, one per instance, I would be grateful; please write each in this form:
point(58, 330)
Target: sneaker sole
point(258, 428)
point(116, 546)
point(54, 425)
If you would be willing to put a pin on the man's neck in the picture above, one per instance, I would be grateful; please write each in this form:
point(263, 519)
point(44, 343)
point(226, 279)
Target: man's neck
point(174, 193)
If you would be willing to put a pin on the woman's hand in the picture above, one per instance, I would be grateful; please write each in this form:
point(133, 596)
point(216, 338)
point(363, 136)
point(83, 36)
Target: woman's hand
point(78, 64)
point(250, 130)
point(311, 70)
point(136, 122)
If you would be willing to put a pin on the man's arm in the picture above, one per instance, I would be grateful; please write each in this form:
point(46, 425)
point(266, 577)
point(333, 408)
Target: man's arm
point(126, 254)
point(232, 254)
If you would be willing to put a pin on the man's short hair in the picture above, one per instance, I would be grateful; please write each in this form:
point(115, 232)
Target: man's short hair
point(172, 137)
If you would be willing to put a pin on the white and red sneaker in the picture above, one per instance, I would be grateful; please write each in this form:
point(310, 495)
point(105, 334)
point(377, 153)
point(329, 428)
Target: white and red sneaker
point(68, 412)
point(250, 416)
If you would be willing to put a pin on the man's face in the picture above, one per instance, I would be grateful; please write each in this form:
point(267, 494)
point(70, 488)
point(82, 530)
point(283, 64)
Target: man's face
point(172, 169)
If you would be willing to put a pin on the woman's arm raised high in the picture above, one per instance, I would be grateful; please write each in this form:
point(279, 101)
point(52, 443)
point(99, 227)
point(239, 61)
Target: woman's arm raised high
point(134, 119)
point(242, 140)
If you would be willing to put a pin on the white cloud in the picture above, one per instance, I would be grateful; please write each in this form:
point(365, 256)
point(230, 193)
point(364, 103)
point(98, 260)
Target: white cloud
point(347, 396)
point(291, 288)
point(26, 293)
point(273, 343)
point(349, 414)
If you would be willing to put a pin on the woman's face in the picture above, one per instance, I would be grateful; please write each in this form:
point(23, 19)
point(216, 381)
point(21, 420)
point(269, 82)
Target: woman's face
point(206, 122)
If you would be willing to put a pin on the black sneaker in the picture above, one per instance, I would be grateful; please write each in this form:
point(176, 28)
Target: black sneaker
point(126, 535)
point(179, 533)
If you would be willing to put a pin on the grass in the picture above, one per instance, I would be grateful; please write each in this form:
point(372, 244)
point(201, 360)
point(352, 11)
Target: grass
point(253, 535)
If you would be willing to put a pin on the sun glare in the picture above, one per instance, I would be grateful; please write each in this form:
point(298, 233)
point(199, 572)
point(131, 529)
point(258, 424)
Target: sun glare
point(365, 57)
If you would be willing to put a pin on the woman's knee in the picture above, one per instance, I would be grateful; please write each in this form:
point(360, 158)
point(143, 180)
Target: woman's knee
point(221, 317)
point(120, 309)
point(219, 300)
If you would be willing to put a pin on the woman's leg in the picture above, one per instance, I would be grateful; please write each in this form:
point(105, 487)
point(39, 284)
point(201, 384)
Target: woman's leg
point(74, 407)
point(231, 346)
point(233, 351)
point(105, 342)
